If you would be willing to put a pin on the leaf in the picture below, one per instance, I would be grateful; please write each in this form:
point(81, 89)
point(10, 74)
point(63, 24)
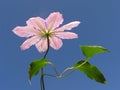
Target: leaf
point(91, 71)
point(90, 51)
point(36, 66)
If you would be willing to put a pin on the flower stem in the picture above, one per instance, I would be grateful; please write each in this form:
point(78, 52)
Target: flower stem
point(42, 80)
point(48, 46)
point(42, 70)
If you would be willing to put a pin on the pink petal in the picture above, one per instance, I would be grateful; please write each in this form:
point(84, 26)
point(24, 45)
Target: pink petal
point(42, 45)
point(29, 42)
point(54, 20)
point(55, 42)
point(24, 31)
point(69, 26)
point(66, 35)
point(37, 23)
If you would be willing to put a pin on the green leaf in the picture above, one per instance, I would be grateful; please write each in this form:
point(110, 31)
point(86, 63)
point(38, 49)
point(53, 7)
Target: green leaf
point(90, 70)
point(36, 66)
point(90, 51)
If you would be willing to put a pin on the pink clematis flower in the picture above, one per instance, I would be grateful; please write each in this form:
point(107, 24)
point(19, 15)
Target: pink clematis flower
point(38, 28)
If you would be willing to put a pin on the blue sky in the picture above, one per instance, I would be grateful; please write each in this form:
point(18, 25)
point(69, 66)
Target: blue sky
point(99, 26)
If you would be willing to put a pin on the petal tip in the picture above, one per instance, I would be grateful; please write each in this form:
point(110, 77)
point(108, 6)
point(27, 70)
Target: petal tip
point(15, 29)
point(77, 22)
point(22, 48)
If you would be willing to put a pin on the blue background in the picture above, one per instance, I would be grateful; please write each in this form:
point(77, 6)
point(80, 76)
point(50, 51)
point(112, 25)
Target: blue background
point(99, 26)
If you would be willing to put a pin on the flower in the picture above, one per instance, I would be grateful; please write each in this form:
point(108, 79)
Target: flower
point(38, 30)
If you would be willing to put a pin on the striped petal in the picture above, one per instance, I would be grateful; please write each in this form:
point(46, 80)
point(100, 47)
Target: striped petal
point(37, 23)
point(66, 35)
point(54, 20)
point(29, 42)
point(24, 31)
point(69, 26)
point(42, 45)
point(55, 42)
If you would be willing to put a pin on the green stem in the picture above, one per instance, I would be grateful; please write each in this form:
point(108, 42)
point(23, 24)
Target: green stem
point(83, 63)
point(50, 75)
point(71, 69)
point(65, 74)
point(42, 80)
point(42, 70)
point(54, 68)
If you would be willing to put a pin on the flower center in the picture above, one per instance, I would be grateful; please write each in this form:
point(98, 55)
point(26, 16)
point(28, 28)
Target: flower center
point(47, 33)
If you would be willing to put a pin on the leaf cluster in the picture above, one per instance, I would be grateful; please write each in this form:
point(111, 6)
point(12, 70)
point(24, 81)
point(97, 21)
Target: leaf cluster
point(91, 71)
